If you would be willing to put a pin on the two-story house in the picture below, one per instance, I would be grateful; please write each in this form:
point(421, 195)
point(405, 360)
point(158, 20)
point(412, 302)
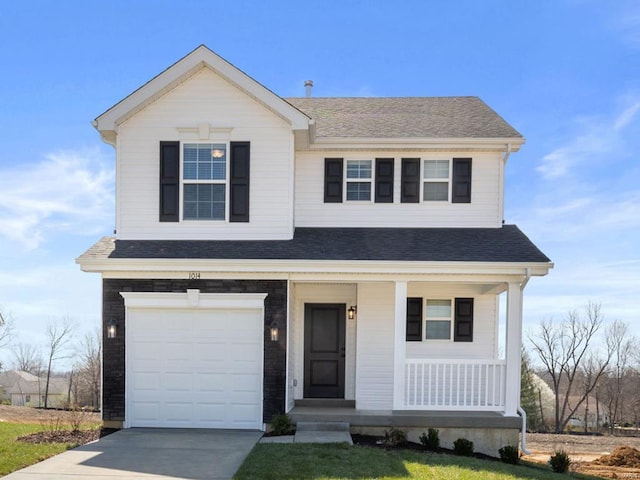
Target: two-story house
point(336, 258)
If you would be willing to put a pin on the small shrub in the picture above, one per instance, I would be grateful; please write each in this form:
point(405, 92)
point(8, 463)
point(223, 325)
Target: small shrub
point(560, 461)
point(431, 439)
point(76, 416)
point(509, 454)
point(394, 437)
point(462, 446)
point(281, 424)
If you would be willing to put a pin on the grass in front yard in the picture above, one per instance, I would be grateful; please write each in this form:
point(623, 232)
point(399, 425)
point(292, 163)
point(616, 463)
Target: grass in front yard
point(15, 455)
point(341, 462)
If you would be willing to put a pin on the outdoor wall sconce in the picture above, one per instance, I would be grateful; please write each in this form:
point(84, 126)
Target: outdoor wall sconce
point(112, 328)
point(274, 331)
point(352, 312)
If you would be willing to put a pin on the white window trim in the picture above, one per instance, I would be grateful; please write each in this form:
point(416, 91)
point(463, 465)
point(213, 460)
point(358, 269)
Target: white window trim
point(436, 180)
point(358, 180)
point(450, 319)
point(225, 182)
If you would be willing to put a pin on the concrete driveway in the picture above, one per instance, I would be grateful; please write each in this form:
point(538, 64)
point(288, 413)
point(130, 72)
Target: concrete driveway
point(150, 453)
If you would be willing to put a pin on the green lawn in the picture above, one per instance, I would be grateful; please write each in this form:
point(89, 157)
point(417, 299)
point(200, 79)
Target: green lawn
point(341, 461)
point(15, 455)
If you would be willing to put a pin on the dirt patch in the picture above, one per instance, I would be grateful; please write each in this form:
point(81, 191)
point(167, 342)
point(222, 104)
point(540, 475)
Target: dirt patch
point(11, 414)
point(621, 457)
point(600, 455)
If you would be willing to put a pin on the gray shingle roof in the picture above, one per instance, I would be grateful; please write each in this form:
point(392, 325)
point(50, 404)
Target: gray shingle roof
point(398, 117)
point(506, 244)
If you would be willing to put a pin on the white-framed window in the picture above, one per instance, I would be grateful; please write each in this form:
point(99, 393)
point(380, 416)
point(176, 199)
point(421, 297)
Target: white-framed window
point(358, 179)
point(204, 181)
point(436, 176)
point(438, 319)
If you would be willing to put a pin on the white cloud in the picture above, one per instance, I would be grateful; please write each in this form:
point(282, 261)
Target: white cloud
point(594, 138)
point(69, 191)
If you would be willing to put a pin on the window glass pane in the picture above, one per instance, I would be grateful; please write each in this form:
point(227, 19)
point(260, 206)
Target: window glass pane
point(204, 201)
point(436, 169)
point(358, 168)
point(358, 190)
point(438, 308)
point(436, 191)
point(204, 161)
point(438, 330)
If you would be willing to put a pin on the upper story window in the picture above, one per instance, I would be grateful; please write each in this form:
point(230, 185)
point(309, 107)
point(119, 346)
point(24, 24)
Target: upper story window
point(438, 320)
point(204, 181)
point(436, 180)
point(359, 180)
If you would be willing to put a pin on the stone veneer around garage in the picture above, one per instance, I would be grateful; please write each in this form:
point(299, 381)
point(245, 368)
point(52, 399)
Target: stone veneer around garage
point(113, 376)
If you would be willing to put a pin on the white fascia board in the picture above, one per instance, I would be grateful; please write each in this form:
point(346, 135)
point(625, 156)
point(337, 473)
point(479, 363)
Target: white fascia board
point(306, 267)
point(187, 66)
point(417, 143)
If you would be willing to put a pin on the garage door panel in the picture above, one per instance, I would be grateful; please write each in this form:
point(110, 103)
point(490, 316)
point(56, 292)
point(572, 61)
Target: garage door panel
point(193, 368)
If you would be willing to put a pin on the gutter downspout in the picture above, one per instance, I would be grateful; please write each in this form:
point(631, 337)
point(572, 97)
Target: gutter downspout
point(523, 414)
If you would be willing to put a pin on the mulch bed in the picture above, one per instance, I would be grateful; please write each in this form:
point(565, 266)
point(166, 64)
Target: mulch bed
point(79, 437)
point(376, 442)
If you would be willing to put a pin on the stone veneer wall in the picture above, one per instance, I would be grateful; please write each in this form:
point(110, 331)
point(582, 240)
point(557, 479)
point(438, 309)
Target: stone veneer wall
point(113, 376)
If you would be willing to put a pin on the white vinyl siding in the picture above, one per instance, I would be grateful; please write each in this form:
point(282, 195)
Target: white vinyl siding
point(484, 211)
point(375, 337)
point(229, 115)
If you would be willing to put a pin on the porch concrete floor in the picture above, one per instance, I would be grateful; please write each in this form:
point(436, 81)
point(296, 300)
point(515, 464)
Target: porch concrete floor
point(404, 418)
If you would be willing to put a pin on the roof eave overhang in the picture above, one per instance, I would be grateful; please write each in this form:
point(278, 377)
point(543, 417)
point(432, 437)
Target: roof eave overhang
point(200, 58)
point(309, 267)
point(420, 143)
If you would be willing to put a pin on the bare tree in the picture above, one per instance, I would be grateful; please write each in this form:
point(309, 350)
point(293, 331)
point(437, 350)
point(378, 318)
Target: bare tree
point(616, 385)
point(27, 358)
point(6, 330)
point(59, 335)
point(567, 352)
point(88, 369)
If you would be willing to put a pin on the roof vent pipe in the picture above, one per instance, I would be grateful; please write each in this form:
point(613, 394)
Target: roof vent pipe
point(308, 85)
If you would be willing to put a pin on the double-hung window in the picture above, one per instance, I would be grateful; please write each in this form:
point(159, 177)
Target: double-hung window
point(204, 181)
point(359, 180)
point(438, 319)
point(436, 176)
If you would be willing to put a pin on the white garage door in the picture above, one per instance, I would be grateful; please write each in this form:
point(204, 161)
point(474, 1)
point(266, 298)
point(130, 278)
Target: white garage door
point(199, 368)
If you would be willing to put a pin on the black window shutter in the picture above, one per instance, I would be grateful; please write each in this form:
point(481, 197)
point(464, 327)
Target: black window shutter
point(169, 181)
point(463, 320)
point(410, 191)
point(461, 191)
point(414, 319)
point(239, 182)
point(384, 180)
point(333, 180)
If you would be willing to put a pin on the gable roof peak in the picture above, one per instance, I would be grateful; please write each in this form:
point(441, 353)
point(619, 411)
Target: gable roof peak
point(201, 57)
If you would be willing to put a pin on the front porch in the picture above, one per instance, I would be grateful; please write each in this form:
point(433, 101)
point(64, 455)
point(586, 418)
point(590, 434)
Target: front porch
point(391, 378)
point(489, 431)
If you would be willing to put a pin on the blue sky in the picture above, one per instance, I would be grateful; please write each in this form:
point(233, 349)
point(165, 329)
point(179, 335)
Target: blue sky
point(566, 74)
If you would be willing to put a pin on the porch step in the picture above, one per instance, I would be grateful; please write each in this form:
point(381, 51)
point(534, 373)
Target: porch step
point(326, 403)
point(322, 432)
point(322, 427)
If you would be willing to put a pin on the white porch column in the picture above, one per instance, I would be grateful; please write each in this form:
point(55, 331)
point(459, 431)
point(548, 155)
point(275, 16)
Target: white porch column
point(400, 346)
point(513, 349)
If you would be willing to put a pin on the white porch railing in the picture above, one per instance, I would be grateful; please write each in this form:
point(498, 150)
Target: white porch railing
point(454, 384)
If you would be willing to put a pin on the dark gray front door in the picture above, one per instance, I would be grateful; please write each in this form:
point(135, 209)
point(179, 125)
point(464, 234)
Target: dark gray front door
point(324, 335)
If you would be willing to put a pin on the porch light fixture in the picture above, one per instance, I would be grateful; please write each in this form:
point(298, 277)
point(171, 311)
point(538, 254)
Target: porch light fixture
point(352, 312)
point(274, 331)
point(112, 328)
